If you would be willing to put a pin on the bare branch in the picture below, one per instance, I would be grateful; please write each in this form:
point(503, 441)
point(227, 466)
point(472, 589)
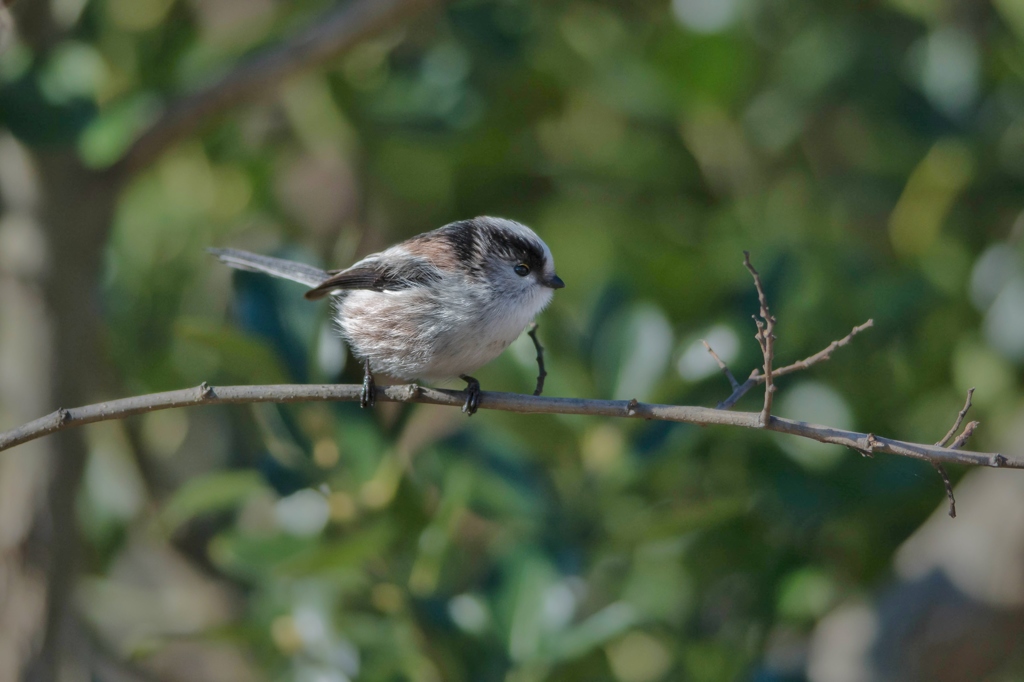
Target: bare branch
point(541, 372)
point(765, 338)
point(722, 366)
point(756, 378)
point(325, 39)
point(507, 402)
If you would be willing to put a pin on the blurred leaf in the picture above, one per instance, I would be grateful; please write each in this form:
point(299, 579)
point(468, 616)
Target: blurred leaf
point(350, 551)
point(523, 607)
point(255, 556)
point(606, 624)
point(241, 356)
point(110, 133)
point(712, 662)
point(38, 122)
point(210, 493)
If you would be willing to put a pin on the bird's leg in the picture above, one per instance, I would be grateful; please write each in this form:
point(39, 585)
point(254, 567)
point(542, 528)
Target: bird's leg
point(472, 394)
point(366, 396)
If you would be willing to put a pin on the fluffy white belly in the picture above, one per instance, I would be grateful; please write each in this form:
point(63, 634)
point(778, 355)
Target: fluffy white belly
point(410, 334)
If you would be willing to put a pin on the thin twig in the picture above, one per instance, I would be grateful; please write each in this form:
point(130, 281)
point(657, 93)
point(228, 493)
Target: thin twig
point(541, 372)
point(822, 355)
point(756, 378)
point(507, 402)
point(959, 418)
point(722, 366)
point(766, 339)
point(949, 488)
point(322, 41)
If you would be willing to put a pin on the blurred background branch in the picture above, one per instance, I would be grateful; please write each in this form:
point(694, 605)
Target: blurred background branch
point(323, 40)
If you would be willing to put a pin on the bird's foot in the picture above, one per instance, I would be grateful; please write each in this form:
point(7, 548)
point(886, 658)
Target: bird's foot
point(367, 396)
point(472, 395)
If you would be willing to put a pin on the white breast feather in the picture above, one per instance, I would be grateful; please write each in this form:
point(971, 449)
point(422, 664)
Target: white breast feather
point(434, 333)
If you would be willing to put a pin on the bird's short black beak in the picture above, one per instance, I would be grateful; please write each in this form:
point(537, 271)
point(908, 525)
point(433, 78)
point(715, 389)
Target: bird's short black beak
point(555, 282)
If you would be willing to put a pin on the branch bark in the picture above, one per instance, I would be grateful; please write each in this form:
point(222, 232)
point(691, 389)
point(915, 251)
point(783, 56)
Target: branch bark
point(324, 40)
point(508, 402)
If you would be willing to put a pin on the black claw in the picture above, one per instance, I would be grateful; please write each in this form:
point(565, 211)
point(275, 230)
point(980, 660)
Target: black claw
point(472, 395)
point(367, 396)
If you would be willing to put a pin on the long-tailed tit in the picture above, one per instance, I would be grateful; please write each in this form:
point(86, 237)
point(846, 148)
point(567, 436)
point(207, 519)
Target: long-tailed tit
point(437, 306)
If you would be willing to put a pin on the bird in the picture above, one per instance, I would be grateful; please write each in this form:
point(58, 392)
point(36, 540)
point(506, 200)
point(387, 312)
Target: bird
point(434, 307)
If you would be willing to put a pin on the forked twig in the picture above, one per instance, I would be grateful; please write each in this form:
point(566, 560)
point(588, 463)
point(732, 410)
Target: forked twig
point(959, 418)
point(757, 378)
point(765, 338)
point(958, 443)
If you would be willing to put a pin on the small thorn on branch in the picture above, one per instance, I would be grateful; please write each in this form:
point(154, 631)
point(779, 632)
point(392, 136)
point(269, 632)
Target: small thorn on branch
point(631, 407)
point(871, 443)
point(765, 338)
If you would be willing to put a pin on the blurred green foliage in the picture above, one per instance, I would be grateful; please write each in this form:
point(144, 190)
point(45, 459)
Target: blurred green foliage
point(869, 155)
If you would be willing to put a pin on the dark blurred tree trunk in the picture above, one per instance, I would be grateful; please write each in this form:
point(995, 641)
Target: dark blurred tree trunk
point(74, 213)
point(78, 206)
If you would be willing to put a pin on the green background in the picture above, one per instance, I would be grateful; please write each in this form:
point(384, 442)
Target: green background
point(869, 155)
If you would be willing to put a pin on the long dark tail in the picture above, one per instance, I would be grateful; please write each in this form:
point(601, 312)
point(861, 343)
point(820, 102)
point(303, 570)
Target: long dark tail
point(278, 267)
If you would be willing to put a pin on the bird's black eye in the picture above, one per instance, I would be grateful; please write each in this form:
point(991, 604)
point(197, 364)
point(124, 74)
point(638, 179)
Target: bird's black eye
point(522, 269)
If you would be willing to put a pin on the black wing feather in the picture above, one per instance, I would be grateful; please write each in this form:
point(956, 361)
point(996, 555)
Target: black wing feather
point(377, 278)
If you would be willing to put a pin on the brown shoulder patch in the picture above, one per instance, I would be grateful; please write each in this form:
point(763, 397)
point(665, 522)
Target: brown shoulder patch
point(434, 249)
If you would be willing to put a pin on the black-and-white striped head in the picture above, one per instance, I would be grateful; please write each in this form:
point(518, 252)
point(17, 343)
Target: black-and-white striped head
point(507, 254)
